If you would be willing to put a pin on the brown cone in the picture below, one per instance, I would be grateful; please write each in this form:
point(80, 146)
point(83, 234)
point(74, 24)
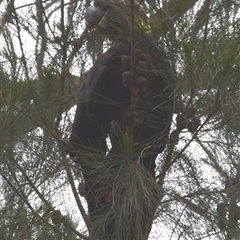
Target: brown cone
point(127, 80)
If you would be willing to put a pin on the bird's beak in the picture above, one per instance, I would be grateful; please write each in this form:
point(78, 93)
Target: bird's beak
point(93, 16)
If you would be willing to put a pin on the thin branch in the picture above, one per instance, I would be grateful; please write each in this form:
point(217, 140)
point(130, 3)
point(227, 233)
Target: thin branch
point(86, 218)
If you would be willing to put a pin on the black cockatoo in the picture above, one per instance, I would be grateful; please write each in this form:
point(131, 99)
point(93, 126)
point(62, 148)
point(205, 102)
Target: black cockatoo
point(127, 98)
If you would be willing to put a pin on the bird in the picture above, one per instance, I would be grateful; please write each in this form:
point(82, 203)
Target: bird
point(127, 97)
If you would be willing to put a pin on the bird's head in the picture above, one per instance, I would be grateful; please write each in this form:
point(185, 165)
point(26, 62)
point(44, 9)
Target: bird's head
point(113, 17)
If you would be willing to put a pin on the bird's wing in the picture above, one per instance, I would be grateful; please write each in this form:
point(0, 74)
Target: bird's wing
point(99, 102)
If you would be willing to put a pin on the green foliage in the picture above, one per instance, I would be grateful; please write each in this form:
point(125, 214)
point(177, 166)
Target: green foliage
point(46, 52)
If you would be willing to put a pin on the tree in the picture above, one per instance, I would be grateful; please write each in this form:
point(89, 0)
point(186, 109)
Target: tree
point(46, 52)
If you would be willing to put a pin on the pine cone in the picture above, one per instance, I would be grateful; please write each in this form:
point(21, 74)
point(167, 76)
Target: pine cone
point(127, 80)
point(137, 53)
point(141, 68)
point(145, 57)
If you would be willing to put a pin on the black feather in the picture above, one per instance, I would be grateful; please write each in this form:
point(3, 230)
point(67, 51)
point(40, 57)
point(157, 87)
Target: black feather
point(103, 109)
